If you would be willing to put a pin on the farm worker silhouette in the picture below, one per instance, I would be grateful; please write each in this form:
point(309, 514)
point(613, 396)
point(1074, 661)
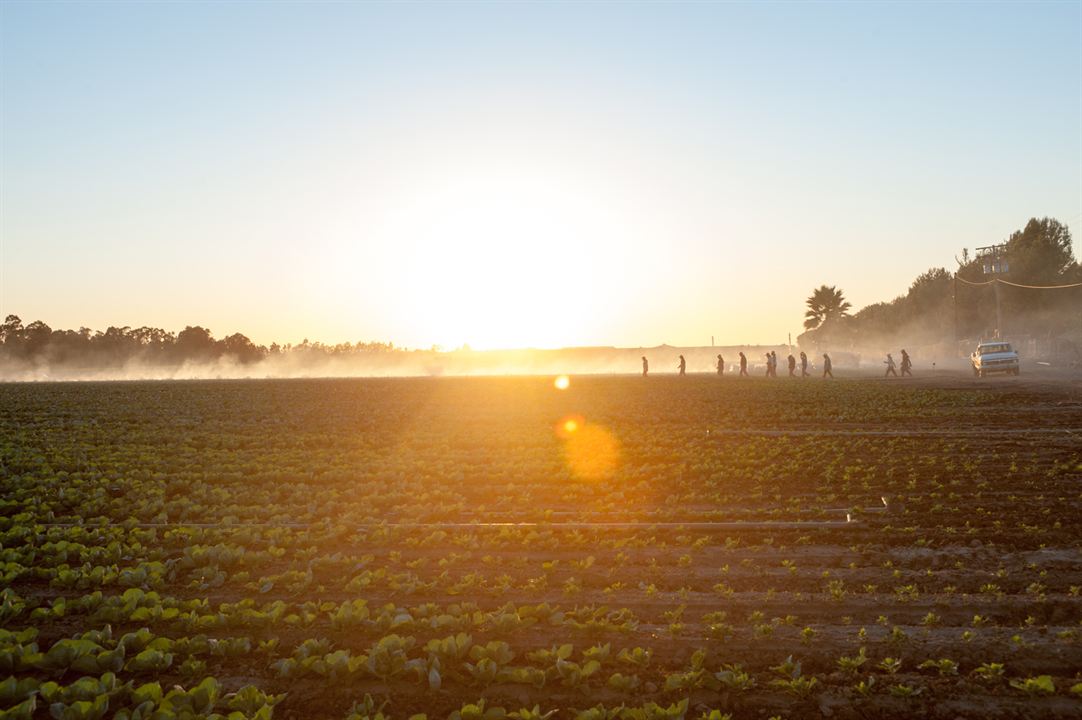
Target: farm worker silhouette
point(890, 366)
point(645, 366)
point(792, 365)
point(769, 364)
point(827, 366)
point(773, 364)
point(743, 365)
point(906, 364)
point(803, 364)
point(683, 366)
point(721, 365)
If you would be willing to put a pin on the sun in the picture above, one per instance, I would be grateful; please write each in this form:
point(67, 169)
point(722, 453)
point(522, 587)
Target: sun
point(501, 259)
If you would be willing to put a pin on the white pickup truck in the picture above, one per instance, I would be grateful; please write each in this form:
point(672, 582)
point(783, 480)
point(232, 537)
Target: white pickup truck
point(994, 356)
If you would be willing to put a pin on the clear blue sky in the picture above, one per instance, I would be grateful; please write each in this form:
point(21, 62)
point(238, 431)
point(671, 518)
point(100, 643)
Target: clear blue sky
point(518, 174)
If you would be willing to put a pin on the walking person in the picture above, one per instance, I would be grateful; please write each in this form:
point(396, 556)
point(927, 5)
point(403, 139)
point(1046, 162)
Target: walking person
point(645, 366)
point(721, 365)
point(743, 364)
point(890, 366)
point(769, 365)
point(827, 367)
point(803, 364)
point(907, 364)
point(792, 365)
point(682, 367)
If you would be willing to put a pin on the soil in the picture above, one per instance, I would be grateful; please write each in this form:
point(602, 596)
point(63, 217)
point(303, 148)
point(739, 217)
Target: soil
point(760, 499)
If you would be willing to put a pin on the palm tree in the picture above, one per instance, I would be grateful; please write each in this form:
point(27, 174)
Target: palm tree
point(825, 303)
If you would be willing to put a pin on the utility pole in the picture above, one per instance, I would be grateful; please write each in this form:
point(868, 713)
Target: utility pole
point(994, 262)
point(999, 312)
point(954, 297)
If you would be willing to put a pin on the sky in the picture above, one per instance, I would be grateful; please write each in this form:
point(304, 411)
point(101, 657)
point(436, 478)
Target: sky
point(518, 174)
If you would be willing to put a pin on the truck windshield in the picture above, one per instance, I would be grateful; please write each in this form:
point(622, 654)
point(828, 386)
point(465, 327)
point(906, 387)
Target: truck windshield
point(989, 349)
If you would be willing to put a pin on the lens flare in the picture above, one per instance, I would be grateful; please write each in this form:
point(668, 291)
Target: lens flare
point(569, 426)
point(592, 453)
point(562, 382)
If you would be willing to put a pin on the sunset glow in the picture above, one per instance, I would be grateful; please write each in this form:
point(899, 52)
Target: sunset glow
point(548, 359)
point(516, 175)
point(592, 453)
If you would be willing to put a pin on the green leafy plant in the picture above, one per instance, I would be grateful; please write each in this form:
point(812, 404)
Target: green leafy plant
point(1038, 685)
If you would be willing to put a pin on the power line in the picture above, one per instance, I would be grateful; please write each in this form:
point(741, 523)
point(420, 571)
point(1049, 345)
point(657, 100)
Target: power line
point(970, 282)
point(1039, 287)
point(1019, 285)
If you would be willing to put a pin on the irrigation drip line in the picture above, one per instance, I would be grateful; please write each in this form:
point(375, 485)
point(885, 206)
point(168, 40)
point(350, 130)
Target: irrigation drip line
point(751, 524)
point(624, 524)
point(967, 432)
point(652, 513)
point(584, 525)
point(105, 526)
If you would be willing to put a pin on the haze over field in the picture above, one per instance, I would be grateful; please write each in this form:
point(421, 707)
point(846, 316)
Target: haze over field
point(517, 175)
point(603, 359)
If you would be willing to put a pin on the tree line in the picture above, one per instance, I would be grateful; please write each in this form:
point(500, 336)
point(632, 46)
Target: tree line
point(941, 306)
point(936, 308)
point(38, 343)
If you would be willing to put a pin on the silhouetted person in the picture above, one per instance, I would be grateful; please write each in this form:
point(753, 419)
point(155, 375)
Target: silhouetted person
point(645, 366)
point(890, 366)
point(769, 365)
point(907, 364)
point(827, 366)
point(803, 364)
point(683, 366)
point(743, 365)
point(721, 365)
point(792, 365)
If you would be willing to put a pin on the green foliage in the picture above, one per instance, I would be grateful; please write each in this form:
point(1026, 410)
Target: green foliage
point(989, 671)
point(1039, 685)
point(852, 665)
point(945, 666)
point(826, 305)
point(890, 665)
point(330, 577)
point(734, 677)
point(865, 687)
point(367, 709)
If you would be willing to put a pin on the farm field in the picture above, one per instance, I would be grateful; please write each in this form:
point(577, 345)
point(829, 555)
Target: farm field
point(497, 547)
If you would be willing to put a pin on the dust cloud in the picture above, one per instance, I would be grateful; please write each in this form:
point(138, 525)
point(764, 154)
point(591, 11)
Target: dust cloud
point(399, 363)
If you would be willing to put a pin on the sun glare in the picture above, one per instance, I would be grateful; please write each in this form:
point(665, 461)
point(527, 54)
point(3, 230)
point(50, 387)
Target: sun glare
point(569, 425)
point(591, 452)
point(501, 257)
point(563, 382)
